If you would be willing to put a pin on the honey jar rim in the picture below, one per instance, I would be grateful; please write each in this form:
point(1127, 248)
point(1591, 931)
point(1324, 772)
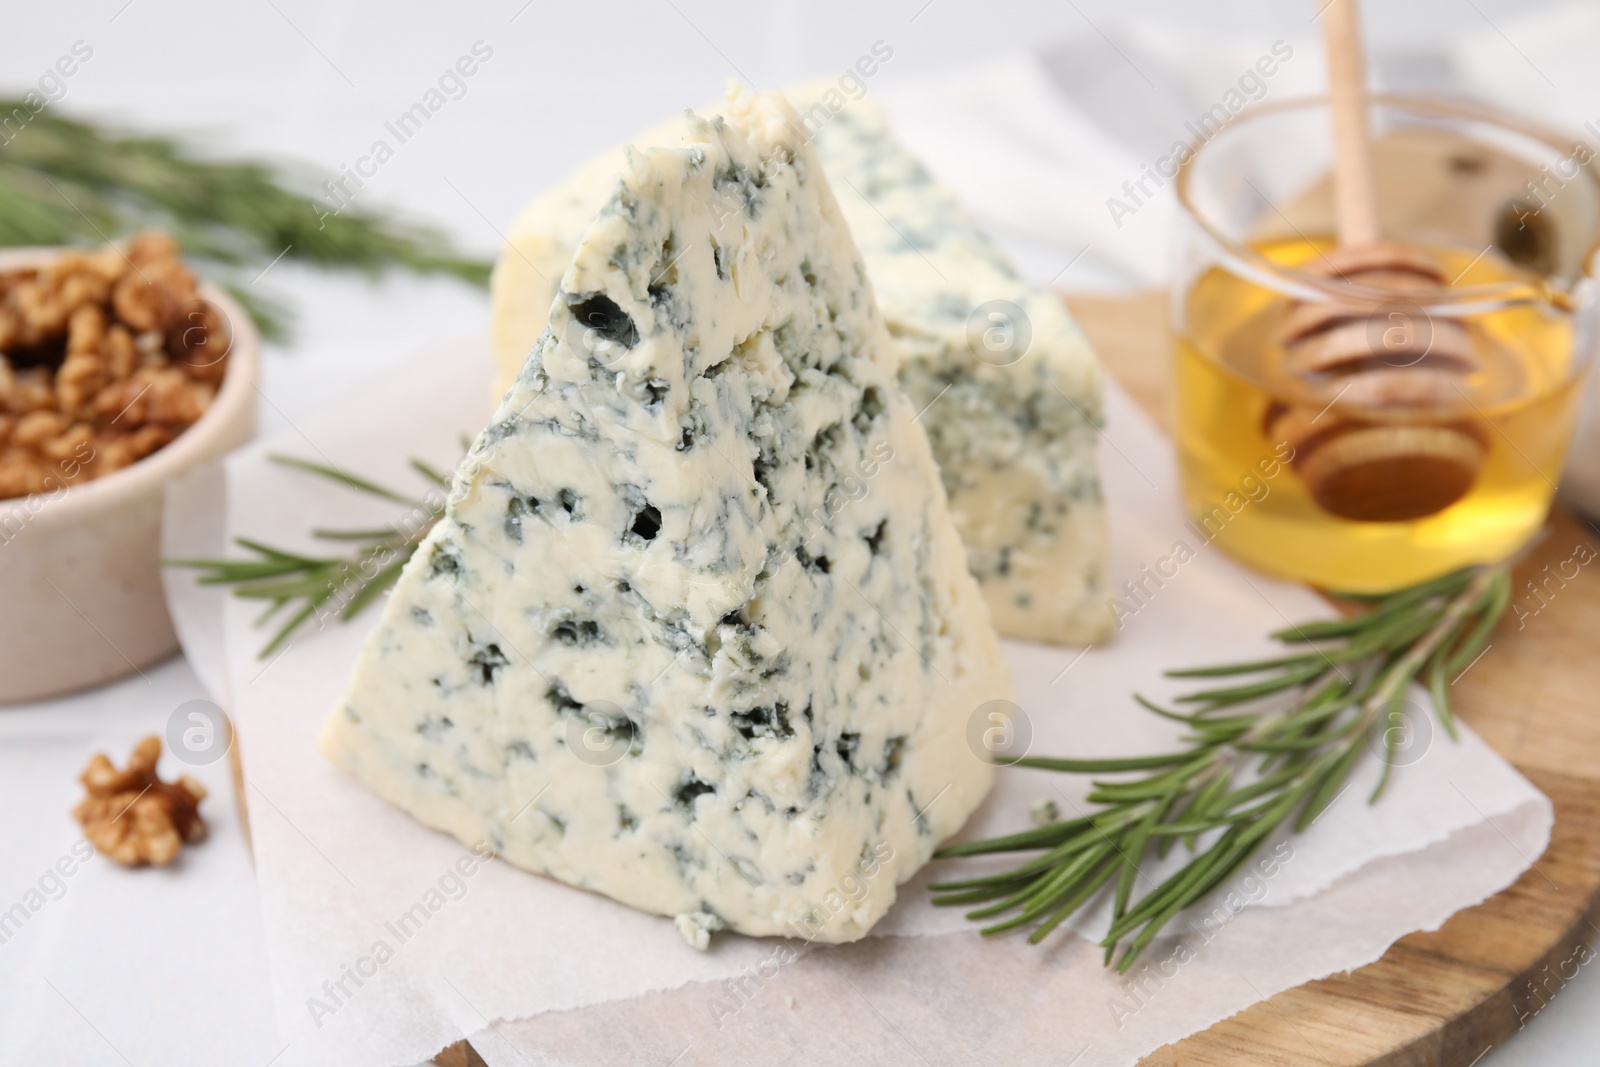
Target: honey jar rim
point(1456, 301)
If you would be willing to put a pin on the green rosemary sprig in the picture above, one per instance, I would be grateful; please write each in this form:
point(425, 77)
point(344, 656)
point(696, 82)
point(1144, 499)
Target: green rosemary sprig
point(323, 586)
point(64, 180)
point(1275, 742)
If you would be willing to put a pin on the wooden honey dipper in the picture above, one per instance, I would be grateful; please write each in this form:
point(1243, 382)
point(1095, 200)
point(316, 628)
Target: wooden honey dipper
point(1378, 355)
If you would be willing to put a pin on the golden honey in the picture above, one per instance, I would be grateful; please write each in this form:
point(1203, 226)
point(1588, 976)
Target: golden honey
point(1245, 486)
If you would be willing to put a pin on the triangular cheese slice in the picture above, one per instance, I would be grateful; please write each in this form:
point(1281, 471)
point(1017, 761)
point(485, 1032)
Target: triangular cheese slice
point(696, 629)
point(1009, 389)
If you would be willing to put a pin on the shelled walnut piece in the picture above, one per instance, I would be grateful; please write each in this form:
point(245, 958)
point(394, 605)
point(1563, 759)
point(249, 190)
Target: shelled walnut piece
point(106, 355)
point(133, 816)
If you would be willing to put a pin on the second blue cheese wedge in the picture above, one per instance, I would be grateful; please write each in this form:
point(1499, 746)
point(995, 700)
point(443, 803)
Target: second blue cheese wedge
point(696, 630)
point(1008, 388)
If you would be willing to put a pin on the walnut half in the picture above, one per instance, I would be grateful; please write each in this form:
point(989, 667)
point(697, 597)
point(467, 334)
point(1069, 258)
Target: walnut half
point(133, 816)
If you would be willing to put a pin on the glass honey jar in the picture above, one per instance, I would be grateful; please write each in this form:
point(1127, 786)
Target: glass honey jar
point(1364, 419)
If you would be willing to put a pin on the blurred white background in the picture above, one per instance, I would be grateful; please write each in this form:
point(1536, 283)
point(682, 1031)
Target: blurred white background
point(313, 82)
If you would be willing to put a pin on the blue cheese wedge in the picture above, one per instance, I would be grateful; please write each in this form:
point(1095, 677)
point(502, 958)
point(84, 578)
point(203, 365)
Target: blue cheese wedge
point(1008, 388)
point(695, 630)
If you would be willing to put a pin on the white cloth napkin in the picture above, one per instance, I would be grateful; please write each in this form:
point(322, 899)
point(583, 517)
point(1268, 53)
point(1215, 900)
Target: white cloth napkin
point(338, 868)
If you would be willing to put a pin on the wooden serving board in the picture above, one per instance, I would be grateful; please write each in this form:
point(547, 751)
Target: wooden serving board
point(1447, 997)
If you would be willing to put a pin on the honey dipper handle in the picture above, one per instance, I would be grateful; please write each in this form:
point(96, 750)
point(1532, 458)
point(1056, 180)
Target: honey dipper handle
point(1347, 96)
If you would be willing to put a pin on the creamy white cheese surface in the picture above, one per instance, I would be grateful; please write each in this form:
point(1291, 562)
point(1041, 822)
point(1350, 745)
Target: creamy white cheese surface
point(1008, 388)
point(696, 630)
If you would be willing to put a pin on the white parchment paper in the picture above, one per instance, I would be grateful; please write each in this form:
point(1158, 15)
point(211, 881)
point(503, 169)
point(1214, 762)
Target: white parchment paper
point(388, 941)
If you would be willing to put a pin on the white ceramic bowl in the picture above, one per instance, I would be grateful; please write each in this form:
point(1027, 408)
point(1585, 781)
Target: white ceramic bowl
point(80, 569)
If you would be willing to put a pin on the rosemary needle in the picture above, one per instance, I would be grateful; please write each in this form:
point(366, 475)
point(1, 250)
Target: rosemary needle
point(1274, 748)
point(317, 586)
point(65, 180)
